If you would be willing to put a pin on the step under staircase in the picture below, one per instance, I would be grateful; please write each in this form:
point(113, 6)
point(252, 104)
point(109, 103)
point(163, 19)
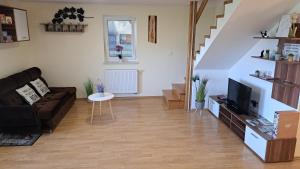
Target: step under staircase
point(175, 97)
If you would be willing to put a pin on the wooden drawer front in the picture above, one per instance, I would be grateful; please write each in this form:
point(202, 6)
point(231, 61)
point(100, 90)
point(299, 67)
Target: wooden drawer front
point(256, 143)
point(238, 123)
point(238, 131)
point(225, 112)
point(214, 107)
point(225, 120)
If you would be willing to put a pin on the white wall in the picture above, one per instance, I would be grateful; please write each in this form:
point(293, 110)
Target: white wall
point(14, 57)
point(68, 59)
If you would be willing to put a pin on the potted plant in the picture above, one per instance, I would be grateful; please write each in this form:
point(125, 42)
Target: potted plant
point(89, 87)
point(201, 94)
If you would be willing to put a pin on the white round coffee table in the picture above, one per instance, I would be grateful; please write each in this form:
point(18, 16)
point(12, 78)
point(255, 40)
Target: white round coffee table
point(100, 97)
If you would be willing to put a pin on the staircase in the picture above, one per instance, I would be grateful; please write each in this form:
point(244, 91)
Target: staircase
point(231, 37)
point(220, 21)
point(175, 97)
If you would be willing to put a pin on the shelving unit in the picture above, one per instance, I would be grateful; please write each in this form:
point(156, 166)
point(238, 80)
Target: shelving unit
point(7, 31)
point(286, 81)
point(14, 26)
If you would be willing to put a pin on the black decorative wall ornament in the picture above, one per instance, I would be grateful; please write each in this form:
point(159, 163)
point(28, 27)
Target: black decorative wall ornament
point(69, 13)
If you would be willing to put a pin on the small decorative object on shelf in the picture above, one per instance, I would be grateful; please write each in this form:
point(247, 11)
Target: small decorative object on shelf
point(264, 34)
point(267, 54)
point(257, 73)
point(293, 28)
point(262, 53)
point(291, 57)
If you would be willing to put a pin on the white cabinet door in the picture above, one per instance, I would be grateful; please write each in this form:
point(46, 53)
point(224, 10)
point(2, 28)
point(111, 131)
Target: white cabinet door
point(256, 142)
point(214, 107)
point(21, 25)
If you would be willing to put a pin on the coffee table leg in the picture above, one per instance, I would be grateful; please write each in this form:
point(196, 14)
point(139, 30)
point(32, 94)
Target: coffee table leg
point(92, 112)
point(111, 112)
point(100, 109)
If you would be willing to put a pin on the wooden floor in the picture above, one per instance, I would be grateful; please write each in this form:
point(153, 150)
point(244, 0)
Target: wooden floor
point(144, 136)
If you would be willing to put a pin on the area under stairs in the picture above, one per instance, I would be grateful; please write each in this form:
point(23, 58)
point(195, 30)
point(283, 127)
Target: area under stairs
point(175, 97)
point(231, 37)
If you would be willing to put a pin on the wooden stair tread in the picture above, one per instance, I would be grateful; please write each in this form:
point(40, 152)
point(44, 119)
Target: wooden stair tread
point(220, 16)
point(170, 96)
point(228, 2)
point(213, 27)
point(180, 88)
point(207, 36)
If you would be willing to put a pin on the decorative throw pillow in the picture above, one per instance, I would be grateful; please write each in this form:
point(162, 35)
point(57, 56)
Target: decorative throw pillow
point(28, 94)
point(40, 87)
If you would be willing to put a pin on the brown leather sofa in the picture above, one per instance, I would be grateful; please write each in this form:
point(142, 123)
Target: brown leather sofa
point(18, 116)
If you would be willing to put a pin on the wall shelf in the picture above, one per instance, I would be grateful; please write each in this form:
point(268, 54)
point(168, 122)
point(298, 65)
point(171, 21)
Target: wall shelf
point(278, 38)
point(277, 81)
point(265, 78)
point(258, 57)
point(50, 27)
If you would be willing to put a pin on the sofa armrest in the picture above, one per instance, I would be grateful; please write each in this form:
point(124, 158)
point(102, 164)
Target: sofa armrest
point(21, 115)
point(70, 90)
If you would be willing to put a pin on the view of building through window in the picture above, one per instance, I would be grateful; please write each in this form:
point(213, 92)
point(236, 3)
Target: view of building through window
point(120, 38)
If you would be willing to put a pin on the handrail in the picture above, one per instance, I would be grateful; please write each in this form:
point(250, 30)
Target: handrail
point(201, 9)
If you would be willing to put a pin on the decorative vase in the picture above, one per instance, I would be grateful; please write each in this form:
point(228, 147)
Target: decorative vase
point(199, 105)
point(290, 57)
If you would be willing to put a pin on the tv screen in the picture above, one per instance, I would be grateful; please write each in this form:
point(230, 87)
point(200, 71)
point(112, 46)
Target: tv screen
point(239, 96)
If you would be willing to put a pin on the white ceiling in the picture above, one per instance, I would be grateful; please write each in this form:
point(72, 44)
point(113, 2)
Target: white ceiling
point(139, 2)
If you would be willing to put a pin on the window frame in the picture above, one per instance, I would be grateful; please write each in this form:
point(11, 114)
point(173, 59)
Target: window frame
point(108, 58)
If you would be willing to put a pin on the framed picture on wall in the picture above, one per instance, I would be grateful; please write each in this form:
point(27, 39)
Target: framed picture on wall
point(152, 29)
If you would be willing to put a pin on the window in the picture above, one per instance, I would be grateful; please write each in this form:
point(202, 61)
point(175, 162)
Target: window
point(120, 38)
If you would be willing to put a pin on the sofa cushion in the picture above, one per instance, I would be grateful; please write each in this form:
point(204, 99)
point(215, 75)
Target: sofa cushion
point(7, 85)
point(20, 79)
point(11, 98)
point(40, 87)
point(33, 73)
point(28, 94)
point(46, 109)
point(69, 90)
point(53, 96)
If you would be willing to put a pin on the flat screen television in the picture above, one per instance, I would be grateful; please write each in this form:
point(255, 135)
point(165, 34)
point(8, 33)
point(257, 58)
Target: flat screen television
point(239, 96)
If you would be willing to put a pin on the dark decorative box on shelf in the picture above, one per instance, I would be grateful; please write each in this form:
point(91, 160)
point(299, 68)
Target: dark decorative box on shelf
point(50, 27)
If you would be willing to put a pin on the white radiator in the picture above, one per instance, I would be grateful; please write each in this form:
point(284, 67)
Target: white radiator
point(121, 81)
